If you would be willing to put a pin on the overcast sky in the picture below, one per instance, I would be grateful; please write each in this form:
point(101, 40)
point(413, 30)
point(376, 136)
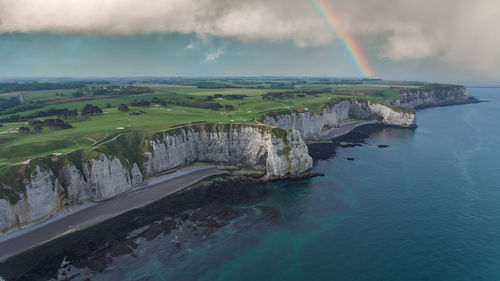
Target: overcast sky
point(432, 40)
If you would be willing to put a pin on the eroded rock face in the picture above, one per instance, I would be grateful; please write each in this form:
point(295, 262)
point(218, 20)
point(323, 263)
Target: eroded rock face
point(432, 97)
point(39, 201)
point(106, 177)
point(287, 158)
point(280, 153)
point(42, 196)
point(391, 117)
point(313, 126)
point(7, 215)
point(245, 146)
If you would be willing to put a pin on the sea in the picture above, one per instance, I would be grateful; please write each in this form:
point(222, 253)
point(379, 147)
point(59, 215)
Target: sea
point(427, 207)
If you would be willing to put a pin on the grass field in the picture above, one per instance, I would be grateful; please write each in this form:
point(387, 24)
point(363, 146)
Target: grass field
point(87, 131)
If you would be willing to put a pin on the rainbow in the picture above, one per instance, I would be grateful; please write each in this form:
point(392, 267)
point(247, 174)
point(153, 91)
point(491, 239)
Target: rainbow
point(345, 37)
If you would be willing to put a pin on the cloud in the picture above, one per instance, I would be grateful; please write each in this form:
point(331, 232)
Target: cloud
point(214, 55)
point(244, 20)
point(409, 46)
point(461, 33)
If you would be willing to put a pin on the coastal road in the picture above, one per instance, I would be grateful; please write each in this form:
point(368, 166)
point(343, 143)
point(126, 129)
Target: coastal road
point(92, 214)
point(346, 127)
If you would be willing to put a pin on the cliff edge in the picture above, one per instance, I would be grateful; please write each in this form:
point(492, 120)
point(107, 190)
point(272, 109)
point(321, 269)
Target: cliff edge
point(438, 96)
point(313, 126)
point(33, 192)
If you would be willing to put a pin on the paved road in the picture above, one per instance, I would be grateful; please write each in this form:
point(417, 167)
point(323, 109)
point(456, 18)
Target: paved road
point(17, 242)
point(346, 127)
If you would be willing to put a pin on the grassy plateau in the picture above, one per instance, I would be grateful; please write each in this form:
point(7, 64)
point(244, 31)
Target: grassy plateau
point(154, 106)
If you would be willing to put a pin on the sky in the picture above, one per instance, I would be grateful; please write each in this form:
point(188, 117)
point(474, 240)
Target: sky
point(426, 40)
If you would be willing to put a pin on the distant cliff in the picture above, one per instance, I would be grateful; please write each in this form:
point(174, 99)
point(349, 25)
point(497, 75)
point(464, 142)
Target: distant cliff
point(33, 192)
point(427, 97)
point(313, 126)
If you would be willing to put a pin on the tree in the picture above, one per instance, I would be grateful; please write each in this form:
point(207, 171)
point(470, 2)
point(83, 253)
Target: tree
point(35, 122)
point(24, 130)
point(140, 103)
point(77, 94)
point(229, 107)
point(73, 113)
point(90, 109)
point(64, 126)
point(62, 113)
point(123, 107)
point(37, 128)
point(57, 124)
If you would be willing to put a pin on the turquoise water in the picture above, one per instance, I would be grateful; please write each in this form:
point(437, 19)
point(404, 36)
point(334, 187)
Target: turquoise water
point(425, 208)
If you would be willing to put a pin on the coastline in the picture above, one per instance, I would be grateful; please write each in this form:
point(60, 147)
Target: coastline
point(333, 138)
point(469, 100)
point(156, 189)
point(204, 205)
point(86, 216)
point(231, 187)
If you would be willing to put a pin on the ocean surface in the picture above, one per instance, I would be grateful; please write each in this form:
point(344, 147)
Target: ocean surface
point(425, 208)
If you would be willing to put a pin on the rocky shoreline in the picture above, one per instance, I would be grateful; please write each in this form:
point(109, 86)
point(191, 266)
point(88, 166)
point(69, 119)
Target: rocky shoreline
point(196, 211)
point(33, 192)
point(199, 210)
point(469, 100)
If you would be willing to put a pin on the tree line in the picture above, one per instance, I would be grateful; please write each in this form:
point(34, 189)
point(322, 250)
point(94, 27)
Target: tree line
point(37, 86)
point(293, 94)
point(61, 113)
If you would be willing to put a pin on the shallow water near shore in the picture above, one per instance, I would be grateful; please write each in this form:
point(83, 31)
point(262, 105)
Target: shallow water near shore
point(425, 208)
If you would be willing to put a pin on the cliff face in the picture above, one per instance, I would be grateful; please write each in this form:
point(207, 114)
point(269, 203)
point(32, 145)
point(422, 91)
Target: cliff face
point(432, 97)
point(44, 187)
point(281, 155)
point(313, 126)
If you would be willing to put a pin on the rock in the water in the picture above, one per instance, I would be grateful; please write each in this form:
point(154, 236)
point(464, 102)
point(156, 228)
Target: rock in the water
point(346, 144)
point(350, 158)
point(383, 145)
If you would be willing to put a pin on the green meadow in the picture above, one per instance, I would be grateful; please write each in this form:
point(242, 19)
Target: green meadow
point(87, 131)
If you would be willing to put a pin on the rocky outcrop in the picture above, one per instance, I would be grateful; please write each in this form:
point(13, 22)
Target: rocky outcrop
point(314, 126)
point(393, 116)
point(281, 153)
point(33, 192)
point(427, 97)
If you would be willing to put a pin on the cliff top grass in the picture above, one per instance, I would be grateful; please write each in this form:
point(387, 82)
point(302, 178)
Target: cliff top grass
point(332, 102)
point(170, 105)
point(128, 147)
point(219, 128)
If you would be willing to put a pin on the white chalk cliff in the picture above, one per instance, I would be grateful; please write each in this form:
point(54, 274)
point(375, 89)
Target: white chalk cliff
point(47, 190)
point(313, 126)
point(33, 192)
point(432, 97)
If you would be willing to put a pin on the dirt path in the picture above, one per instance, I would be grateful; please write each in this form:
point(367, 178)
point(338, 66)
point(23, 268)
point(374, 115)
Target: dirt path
point(158, 188)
